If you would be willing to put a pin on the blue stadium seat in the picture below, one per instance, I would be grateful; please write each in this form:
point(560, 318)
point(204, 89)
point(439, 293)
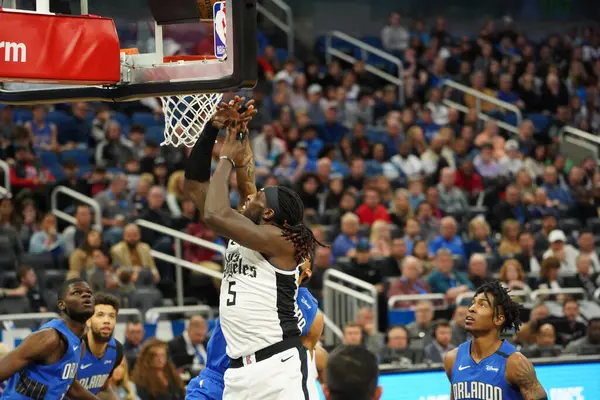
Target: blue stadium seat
point(58, 118)
point(84, 169)
point(375, 60)
point(375, 135)
point(540, 121)
point(510, 118)
point(49, 159)
point(121, 118)
point(156, 134)
point(21, 116)
point(335, 43)
point(374, 41)
point(81, 157)
point(400, 317)
point(125, 130)
point(263, 42)
point(57, 172)
point(145, 119)
point(281, 54)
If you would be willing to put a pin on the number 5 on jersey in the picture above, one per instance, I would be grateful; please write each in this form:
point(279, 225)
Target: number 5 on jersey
point(232, 294)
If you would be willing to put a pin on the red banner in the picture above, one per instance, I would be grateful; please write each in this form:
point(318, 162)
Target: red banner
point(46, 48)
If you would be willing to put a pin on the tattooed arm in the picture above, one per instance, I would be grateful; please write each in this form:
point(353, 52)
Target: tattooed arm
point(521, 374)
point(245, 174)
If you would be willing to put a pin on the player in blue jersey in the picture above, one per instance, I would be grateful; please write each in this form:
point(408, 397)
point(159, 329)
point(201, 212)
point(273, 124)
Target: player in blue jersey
point(209, 384)
point(486, 367)
point(44, 366)
point(103, 353)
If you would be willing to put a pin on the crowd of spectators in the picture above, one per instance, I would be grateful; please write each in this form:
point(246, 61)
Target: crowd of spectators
point(412, 196)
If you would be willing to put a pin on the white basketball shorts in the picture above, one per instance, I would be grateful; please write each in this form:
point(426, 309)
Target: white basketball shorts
point(283, 376)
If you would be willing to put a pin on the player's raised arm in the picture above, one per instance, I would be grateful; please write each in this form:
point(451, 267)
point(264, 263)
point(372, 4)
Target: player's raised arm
point(197, 169)
point(245, 174)
point(37, 347)
point(226, 222)
point(449, 360)
point(521, 373)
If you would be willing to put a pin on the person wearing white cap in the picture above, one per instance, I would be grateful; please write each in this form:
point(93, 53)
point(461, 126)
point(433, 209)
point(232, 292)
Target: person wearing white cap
point(512, 162)
point(315, 103)
point(566, 253)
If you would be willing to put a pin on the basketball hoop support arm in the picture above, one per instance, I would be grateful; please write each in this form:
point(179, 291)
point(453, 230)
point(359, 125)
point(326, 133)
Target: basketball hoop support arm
point(42, 6)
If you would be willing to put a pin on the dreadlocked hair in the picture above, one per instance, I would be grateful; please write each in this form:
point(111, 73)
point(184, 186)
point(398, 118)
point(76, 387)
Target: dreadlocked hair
point(291, 212)
point(510, 308)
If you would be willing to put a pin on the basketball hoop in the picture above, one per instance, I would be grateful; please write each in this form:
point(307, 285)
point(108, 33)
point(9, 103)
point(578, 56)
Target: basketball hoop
point(187, 115)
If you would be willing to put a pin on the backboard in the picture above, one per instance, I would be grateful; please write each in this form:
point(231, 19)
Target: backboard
point(64, 57)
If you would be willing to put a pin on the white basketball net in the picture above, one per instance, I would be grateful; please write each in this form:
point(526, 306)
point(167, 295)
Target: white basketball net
point(186, 116)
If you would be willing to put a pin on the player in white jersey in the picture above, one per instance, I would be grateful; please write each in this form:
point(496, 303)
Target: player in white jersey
point(268, 241)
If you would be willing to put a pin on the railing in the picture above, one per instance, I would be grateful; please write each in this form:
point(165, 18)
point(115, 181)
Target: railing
point(178, 260)
point(332, 326)
point(342, 302)
point(545, 292)
point(406, 298)
point(131, 312)
point(286, 26)
point(365, 49)
point(153, 314)
point(6, 170)
point(479, 97)
point(513, 293)
point(29, 316)
point(585, 144)
point(77, 196)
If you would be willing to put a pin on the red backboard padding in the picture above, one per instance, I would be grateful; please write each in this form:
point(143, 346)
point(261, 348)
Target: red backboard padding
point(46, 48)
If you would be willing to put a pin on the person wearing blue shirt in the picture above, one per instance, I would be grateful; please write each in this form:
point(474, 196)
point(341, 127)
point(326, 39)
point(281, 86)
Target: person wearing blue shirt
point(313, 143)
point(331, 130)
point(554, 191)
point(505, 92)
point(348, 238)
point(103, 353)
point(430, 128)
point(446, 281)
point(45, 364)
point(448, 239)
point(488, 367)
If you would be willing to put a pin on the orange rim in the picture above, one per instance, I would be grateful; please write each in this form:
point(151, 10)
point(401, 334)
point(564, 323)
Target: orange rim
point(171, 59)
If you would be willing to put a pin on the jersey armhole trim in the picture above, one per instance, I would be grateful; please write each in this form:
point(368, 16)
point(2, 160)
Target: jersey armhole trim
point(502, 354)
point(119, 358)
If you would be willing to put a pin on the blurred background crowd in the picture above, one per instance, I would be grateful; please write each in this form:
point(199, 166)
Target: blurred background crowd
point(413, 196)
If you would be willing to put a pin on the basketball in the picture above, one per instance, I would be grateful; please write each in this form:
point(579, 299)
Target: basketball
point(206, 9)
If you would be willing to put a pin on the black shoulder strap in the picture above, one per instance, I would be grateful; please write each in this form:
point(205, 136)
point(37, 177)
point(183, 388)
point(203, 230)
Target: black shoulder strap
point(503, 354)
point(119, 357)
